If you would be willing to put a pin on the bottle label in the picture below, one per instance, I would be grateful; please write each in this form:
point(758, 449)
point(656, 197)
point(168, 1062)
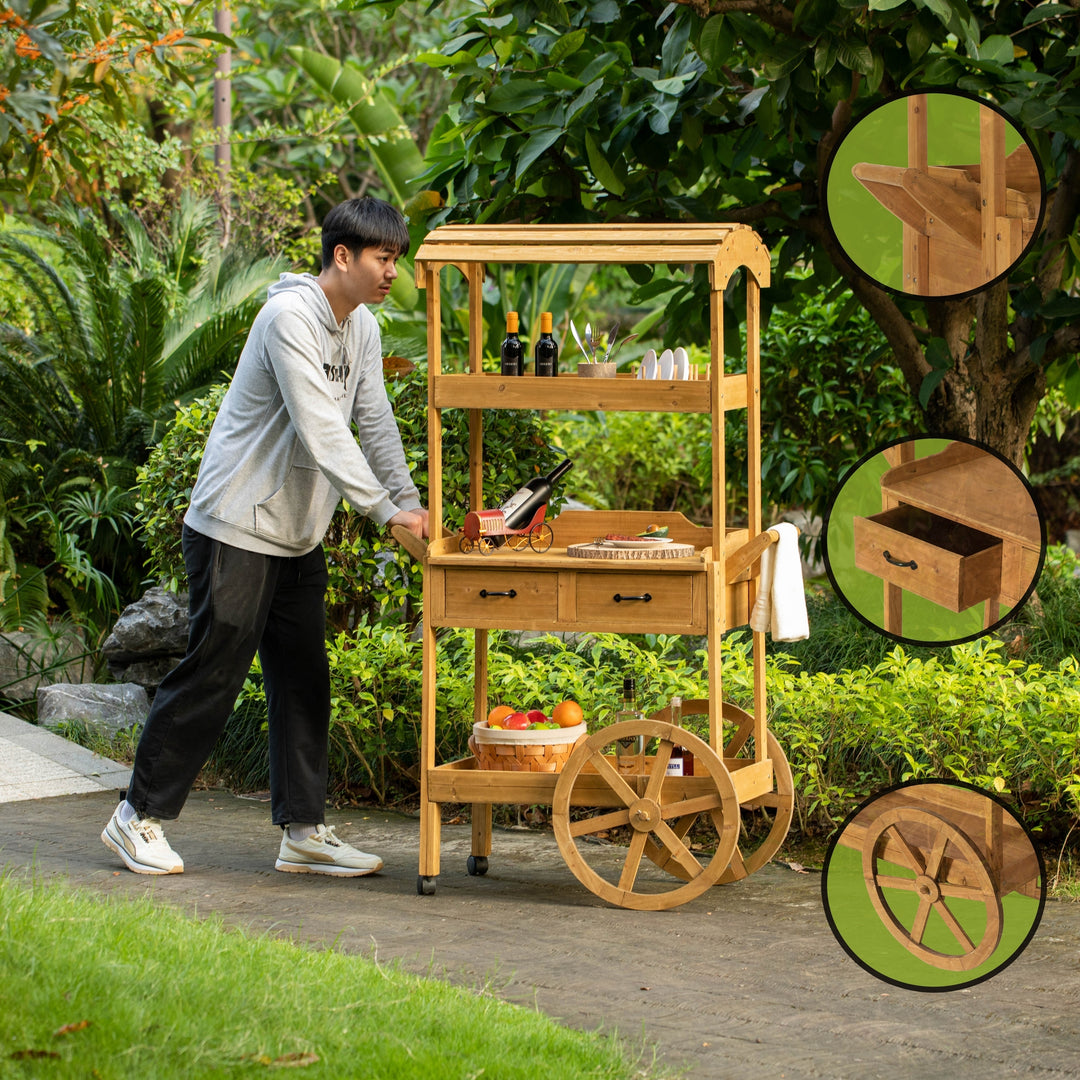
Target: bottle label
point(515, 500)
point(675, 767)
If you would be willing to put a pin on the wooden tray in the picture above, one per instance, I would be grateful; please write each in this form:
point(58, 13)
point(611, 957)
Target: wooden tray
point(674, 550)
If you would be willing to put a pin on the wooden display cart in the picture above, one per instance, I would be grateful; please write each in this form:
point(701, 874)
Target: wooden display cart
point(964, 225)
point(959, 845)
point(958, 528)
point(703, 593)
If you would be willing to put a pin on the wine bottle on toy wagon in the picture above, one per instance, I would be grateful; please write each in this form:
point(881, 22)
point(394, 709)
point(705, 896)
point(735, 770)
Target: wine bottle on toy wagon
point(546, 351)
point(512, 352)
point(519, 509)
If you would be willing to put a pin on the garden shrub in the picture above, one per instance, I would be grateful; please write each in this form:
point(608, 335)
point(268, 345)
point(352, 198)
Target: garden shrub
point(972, 714)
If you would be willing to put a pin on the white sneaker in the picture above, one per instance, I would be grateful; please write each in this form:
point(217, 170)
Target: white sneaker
point(324, 853)
point(141, 843)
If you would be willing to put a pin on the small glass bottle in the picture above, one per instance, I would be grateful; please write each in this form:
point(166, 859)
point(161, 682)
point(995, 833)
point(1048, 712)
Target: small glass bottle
point(629, 752)
point(546, 351)
point(512, 352)
point(676, 763)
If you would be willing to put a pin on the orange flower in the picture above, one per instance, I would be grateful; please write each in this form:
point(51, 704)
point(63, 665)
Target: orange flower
point(25, 47)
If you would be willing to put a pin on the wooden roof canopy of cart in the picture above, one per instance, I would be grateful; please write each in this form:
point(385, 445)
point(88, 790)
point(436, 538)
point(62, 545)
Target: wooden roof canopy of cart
point(703, 593)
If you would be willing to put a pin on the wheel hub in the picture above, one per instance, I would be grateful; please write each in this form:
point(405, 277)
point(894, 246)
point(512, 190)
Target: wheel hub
point(927, 888)
point(644, 815)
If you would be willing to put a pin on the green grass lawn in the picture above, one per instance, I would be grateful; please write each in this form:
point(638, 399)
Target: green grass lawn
point(108, 987)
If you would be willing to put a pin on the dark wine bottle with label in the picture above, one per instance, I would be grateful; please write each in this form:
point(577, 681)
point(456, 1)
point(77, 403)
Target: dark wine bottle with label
point(512, 353)
point(546, 351)
point(518, 510)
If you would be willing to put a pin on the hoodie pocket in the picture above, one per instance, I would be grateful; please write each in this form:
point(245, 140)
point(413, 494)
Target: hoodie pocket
point(296, 514)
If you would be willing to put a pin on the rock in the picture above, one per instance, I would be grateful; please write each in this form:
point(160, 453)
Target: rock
point(27, 661)
point(149, 638)
point(108, 707)
point(155, 625)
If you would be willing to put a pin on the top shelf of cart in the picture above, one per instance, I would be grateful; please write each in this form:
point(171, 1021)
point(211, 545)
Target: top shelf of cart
point(723, 247)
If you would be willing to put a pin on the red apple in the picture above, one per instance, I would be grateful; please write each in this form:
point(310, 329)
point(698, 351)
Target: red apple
point(516, 722)
point(536, 716)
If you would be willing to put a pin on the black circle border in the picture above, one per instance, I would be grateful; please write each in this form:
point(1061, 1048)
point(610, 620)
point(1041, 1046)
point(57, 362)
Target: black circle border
point(933, 297)
point(919, 642)
point(834, 842)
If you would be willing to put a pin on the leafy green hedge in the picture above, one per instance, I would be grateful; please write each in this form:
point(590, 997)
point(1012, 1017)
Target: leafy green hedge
point(975, 715)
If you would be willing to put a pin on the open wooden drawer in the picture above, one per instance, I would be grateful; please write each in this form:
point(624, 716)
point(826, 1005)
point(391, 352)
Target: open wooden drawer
point(944, 561)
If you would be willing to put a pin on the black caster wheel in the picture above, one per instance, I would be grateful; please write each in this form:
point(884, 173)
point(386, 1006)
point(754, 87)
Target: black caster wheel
point(425, 886)
point(477, 865)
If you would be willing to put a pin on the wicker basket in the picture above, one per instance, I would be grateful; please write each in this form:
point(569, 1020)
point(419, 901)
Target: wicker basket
point(544, 751)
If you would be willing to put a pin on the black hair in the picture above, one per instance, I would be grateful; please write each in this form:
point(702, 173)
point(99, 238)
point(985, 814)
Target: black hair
point(363, 223)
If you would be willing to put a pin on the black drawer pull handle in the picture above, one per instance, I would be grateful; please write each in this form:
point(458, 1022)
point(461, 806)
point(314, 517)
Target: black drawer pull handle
point(509, 592)
point(644, 597)
point(896, 562)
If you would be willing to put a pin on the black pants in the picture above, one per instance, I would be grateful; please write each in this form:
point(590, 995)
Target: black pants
point(241, 602)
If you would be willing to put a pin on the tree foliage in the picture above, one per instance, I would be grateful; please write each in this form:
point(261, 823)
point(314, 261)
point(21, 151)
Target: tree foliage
point(83, 84)
point(727, 110)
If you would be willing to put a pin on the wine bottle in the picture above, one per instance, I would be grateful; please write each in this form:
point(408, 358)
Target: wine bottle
point(681, 762)
point(546, 352)
point(629, 751)
point(519, 509)
point(512, 352)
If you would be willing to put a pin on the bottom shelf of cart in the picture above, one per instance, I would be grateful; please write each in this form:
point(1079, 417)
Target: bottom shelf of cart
point(462, 782)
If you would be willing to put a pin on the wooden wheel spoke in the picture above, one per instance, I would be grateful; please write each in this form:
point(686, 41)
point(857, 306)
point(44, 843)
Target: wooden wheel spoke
point(614, 779)
point(914, 860)
point(700, 805)
point(599, 823)
point(957, 930)
point(937, 853)
point(890, 881)
point(918, 927)
point(679, 851)
point(633, 861)
point(956, 891)
point(659, 770)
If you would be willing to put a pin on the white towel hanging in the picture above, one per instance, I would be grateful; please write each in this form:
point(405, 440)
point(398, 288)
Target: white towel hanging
point(780, 607)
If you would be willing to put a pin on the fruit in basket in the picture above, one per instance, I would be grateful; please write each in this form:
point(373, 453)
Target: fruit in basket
point(537, 716)
point(515, 722)
point(499, 714)
point(567, 714)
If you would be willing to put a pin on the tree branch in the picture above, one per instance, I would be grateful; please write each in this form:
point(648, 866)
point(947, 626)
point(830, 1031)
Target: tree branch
point(772, 12)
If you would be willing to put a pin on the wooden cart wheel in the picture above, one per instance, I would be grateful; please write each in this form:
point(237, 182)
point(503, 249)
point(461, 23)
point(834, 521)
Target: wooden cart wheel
point(947, 866)
point(540, 537)
point(647, 804)
point(754, 850)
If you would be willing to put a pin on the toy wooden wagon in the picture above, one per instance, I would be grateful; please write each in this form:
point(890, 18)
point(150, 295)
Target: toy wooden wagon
point(483, 526)
point(708, 588)
point(943, 846)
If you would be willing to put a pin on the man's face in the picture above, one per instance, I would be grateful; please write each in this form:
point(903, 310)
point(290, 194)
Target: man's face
point(370, 274)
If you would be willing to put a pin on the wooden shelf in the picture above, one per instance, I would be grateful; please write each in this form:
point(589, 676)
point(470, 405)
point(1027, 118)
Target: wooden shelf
point(568, 391)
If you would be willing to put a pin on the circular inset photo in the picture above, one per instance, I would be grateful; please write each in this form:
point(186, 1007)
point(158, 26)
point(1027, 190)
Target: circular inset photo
point(934, 194)
point(933, 541)
point(933, 885)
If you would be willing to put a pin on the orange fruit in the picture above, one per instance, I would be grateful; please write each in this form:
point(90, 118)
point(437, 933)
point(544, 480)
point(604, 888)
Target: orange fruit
point(567, 714)
point(499, 714)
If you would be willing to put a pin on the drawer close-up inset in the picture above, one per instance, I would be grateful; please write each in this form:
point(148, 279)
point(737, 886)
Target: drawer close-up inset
point(944, 561)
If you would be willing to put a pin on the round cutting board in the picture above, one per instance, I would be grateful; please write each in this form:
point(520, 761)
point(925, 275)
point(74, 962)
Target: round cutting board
point(605, 551)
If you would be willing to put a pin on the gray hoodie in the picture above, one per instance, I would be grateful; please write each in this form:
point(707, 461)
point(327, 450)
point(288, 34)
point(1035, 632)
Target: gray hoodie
point(281, 452)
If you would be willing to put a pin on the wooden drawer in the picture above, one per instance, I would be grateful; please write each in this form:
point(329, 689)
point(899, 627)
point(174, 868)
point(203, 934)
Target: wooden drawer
point(493, 598)
point(950, 564)
point(643, 603)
